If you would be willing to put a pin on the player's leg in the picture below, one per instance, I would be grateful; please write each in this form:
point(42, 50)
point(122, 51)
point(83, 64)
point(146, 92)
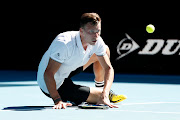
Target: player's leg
point(94, 95)
point(99, 80)
point(99, 72)
point(78, 93)
point(99, 77)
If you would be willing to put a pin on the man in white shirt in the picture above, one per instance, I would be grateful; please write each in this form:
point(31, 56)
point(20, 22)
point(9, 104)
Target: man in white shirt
point(70, 53)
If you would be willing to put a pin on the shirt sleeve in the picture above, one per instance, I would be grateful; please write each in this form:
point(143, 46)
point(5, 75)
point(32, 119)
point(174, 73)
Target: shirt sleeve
point(59, 52)
point(101, 48)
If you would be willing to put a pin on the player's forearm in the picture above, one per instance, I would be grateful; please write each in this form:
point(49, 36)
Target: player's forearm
point(108, 80)
point(51, 85)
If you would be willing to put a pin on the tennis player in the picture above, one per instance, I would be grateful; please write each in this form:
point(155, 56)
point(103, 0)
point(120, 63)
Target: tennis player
point(69, 54)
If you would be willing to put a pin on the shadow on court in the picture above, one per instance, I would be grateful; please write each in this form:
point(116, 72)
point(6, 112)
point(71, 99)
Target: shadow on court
point(27, 108)
point(17, 85)
point(33, 108)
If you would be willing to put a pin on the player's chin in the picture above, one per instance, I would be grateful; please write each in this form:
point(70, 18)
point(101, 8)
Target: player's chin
point(93, 42)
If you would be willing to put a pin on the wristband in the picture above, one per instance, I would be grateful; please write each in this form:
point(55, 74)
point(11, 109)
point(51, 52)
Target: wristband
point(57, 100)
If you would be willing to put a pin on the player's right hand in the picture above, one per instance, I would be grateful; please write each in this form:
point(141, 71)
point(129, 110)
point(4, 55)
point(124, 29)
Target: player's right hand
point(61, 105)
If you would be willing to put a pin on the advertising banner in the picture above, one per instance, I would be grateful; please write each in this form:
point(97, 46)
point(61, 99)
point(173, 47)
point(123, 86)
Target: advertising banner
point(146, 55)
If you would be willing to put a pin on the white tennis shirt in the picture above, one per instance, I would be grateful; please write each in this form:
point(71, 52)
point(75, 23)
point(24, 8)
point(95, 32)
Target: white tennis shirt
point(67, 49)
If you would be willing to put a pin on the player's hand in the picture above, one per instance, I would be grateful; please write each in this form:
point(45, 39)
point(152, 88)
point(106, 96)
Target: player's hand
point(104, 99)
point(61, 105)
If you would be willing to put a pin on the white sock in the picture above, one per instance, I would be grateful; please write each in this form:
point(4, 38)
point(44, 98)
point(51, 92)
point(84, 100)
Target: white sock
point(99, 84)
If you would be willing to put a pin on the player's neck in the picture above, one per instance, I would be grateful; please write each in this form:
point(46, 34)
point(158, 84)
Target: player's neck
point(84, 43)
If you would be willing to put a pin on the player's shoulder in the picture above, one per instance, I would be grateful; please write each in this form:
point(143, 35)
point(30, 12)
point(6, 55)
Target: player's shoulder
point(65, 41)
point(66, 37)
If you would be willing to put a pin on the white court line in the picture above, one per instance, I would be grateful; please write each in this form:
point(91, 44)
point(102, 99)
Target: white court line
point(145, 103)
point(126, 111)
point(146, 111)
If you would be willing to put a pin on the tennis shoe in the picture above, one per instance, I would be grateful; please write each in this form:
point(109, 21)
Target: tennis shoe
point(114, 98)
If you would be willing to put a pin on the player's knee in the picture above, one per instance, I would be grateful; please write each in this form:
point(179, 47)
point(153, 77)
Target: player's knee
point(94, 58)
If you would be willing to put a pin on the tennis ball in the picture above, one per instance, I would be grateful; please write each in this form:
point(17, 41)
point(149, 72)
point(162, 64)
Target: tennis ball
point(150, 28)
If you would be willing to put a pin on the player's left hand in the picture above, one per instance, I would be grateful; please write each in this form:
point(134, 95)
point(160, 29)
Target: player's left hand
point(104, 99)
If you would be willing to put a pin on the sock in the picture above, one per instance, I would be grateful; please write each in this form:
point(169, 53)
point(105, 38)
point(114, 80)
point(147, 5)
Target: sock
point(99, 84)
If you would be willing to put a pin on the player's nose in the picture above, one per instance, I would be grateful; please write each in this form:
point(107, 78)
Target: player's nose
point(97, 34)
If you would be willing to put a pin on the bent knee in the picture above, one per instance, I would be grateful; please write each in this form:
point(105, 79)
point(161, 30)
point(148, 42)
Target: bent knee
point(107, 52)
point(94, 57)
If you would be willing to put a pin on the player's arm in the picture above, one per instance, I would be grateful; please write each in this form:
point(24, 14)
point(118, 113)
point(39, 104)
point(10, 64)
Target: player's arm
point(109, 73)
point(51, 69)
point(108, 78)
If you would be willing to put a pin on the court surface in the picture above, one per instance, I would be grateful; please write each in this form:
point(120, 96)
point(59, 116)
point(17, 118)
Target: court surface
point(150, 97)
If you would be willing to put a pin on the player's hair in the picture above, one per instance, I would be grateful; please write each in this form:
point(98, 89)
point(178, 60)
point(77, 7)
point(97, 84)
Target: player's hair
point(93, 18)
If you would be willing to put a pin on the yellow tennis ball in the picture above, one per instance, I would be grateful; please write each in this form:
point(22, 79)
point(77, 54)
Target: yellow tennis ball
point(150, 28)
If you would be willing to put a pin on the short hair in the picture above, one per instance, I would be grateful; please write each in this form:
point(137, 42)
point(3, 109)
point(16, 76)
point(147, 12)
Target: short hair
point(93, 18)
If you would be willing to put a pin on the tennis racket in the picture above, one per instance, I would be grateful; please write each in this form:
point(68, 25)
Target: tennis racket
point(86, 105)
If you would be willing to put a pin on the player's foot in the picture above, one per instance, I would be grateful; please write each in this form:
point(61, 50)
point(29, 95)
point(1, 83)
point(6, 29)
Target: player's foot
point(116, 98)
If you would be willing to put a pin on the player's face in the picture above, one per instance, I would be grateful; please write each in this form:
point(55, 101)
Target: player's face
point(91, 33)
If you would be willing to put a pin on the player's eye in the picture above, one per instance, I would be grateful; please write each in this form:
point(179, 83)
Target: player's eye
point(94, 31)
point(91, 31)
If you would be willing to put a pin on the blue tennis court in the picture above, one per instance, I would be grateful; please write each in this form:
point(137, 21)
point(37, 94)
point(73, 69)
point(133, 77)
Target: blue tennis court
point(149, 97)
